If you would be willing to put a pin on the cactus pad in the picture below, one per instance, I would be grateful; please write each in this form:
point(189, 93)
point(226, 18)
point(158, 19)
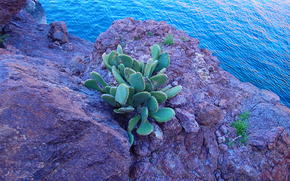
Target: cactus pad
point(137, 89)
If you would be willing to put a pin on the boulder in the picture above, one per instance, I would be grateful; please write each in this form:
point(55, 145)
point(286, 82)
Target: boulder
point(195, 145)
point(58, 32)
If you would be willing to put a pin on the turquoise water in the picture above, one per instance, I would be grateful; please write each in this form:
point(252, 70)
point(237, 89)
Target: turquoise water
point(250, 37)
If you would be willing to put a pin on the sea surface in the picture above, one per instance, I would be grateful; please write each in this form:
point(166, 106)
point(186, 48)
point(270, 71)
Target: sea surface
point(251, 38)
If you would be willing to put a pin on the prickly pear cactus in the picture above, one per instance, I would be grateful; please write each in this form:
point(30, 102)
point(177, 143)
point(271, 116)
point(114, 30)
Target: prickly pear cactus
point(139, 90)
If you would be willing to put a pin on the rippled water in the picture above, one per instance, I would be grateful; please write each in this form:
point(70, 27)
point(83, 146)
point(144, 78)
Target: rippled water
point(250, 37)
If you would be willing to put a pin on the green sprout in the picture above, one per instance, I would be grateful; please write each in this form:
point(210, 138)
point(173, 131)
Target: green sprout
point(168, 40)
point(139, 88)
point(241, 126)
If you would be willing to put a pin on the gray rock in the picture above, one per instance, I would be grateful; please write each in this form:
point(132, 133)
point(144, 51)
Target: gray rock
point(187, 121)
point(209, 114)
point(35, 9)
point(58, 32)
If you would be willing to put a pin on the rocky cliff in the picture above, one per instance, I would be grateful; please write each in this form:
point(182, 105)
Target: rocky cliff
point(53, 128)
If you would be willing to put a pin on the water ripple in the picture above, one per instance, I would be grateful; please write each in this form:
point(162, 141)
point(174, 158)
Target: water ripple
point(250, 37)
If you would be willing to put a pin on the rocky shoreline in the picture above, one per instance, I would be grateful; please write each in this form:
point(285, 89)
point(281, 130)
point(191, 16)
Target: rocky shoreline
point(53, 128)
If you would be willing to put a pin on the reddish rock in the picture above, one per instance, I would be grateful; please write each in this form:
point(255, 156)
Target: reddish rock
point(8, 8)
point(58, 32)
point(187, 121)
point(208, 114)
point(211, 97)
point(264, 159)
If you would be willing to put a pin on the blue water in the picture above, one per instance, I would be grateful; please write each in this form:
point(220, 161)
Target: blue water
point(250, 37)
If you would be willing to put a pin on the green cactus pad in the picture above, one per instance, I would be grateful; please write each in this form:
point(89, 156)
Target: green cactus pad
point(109, 99)
point(133, 122)
point(148, 85)
point(117, 75)
point(122, 94)
point(136, 66)
point(159, 95)
point(149, 68)
point(163, 114)
point(162, 71)
point(152, 104)
point(145, 128)
point(113, 91)
point(106, 61)
point(113, 58)
point(121, 69)
point(92, 84)
point(131, 93)
point(96, 76)
point(128, 72)
point(123, 110)
point(131, 138)
point(137, 89)
point(144, 113)
point(166, 88)
point(153, 66)
point(126, 60)
point(159, 80)
point(173, 91)
point(136, 80)
point(163, 61)
point(140, 98)
point(155, 51)
point(119, 49)
point(108, 88)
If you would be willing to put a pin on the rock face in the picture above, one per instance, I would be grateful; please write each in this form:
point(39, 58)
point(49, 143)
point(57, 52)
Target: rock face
point(8, 8)
point(195, 146)
point(53, 128)
point(36, 10)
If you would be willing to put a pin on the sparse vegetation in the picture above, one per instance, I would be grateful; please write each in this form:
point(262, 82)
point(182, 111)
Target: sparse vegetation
point(241, 126)
point(139, 88)
point(168, 40)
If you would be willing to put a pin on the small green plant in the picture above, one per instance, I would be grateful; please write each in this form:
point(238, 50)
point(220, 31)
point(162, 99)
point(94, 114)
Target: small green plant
point(241, 126)
point(168, 40)
point(139, 88)
point(149, 33)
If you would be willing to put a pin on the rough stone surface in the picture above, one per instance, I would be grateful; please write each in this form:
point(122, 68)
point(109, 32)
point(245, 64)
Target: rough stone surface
point(58, 32)
point(52, 128)
point(212, 99)
point(35, 9)
point(8, 8)
point(187, 120)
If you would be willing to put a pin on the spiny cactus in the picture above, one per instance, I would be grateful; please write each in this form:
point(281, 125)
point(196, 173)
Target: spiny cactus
point(139, 88)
